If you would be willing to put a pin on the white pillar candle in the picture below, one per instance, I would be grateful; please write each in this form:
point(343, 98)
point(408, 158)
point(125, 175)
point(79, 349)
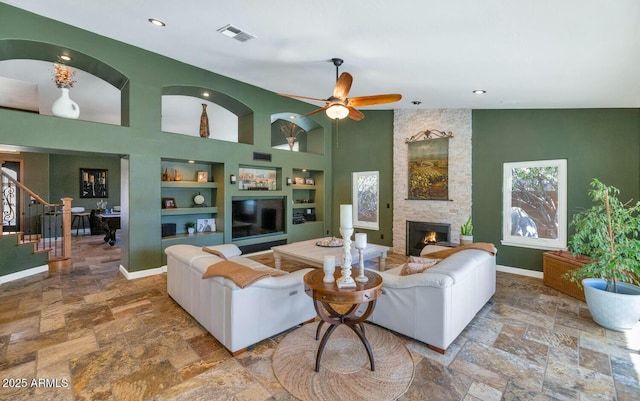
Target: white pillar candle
point(329, 268)
point(329, 262)
point(361, 240)
point(346, 219)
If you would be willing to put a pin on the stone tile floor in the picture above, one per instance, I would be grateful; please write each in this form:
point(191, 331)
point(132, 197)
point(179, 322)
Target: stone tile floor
point(87, 333)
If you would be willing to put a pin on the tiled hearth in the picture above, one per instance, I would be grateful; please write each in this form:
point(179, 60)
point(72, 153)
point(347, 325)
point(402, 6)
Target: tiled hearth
point(97, 336)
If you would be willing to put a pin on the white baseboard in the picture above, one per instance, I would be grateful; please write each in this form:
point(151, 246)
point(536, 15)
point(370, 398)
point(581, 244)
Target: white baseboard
point(22, 274)
point(519, 271)
point(142, 273)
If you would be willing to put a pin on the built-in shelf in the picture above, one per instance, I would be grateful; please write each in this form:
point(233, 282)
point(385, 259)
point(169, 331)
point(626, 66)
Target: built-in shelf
point(304, 205)
point(183, 194)
point(195, 235)
point(188, 210)
point(188, 184)
point(307, 205)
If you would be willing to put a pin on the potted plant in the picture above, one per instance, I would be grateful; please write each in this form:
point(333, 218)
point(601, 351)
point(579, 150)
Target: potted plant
point(191, 226)
point(608, 233)
point(466, 232)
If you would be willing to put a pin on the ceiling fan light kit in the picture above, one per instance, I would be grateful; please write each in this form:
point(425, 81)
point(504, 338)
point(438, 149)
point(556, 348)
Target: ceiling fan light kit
point(337, 112)
point(338, 105)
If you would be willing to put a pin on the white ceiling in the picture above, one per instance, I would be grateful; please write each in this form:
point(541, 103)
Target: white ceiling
point(525, 53)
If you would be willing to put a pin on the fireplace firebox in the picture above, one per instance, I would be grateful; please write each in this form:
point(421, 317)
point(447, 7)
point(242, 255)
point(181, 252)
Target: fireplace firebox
point(420, 234)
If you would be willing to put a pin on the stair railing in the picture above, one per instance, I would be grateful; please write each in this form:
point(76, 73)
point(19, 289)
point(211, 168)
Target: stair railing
point(47, 225)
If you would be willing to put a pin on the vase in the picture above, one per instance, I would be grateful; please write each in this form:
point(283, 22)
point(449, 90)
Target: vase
point(65, 107)
point(204, 122)
point(292, 141)
point(166, 176)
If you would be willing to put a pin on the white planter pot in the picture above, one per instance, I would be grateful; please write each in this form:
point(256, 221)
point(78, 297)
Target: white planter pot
point(616, 311)
point(191, 230)
point(466, 239)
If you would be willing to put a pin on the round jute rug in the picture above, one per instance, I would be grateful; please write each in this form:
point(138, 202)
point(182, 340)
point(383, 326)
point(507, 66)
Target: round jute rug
point(345, 373)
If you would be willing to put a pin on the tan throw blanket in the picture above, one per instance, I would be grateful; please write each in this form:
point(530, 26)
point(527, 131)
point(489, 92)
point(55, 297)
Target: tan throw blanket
point(241, 275)
point(483, 246)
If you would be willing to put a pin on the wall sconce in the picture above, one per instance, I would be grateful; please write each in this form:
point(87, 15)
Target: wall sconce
point(289, 181)
point(232, 178)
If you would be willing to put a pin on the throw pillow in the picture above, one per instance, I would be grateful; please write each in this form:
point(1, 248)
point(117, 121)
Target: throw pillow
point(418, 259)
point(417, 267)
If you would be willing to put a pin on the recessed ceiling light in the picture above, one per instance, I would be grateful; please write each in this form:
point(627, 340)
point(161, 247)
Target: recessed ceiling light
point(479, 91)
point(205, 94)
point(64, 57)
point(191, 161)
point(157, 22)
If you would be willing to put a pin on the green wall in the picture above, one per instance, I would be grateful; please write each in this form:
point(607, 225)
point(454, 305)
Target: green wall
point(65, 180)
point(597, 143)
point(141, 142)
point(365, 145)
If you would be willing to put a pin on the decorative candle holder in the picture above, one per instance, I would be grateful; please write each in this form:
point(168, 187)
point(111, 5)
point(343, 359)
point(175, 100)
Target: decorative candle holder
point(361, 244)
point(345, 280)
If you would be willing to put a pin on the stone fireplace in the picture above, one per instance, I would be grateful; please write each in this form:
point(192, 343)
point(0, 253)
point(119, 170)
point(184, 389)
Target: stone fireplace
point(421, 233)
point(457, 209)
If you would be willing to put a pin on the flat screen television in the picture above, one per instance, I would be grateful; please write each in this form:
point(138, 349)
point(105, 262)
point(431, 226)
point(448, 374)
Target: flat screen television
point(257, 216)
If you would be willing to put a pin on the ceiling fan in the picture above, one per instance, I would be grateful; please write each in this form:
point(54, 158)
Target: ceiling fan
point(338, 105)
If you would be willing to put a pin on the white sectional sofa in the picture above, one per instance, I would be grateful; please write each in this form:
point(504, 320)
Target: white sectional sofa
point(237, 317)
point(436, 305)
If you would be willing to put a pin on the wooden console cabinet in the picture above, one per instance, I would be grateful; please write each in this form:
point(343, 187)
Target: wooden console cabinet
point(557, 263)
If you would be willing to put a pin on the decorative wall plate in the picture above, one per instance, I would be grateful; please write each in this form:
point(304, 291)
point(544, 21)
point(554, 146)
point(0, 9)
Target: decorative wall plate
point(198, 199)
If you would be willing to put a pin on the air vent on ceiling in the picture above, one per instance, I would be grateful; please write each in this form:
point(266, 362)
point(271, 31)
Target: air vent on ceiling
point(266, 157)
point(235, 33)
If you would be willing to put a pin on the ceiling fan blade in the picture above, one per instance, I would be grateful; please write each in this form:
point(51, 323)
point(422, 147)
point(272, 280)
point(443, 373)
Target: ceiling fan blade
point(355, 114)
point(375, 99)
point(317, 111)
point(343, 86)
point(303, 97)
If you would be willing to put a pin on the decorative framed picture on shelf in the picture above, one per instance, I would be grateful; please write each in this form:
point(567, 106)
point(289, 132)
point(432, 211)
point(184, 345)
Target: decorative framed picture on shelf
point(169, 203)
point(299, 180)
point(94, 183)
point(309, 181)
point(366, 194)
point(206, 225)
point(203, 176)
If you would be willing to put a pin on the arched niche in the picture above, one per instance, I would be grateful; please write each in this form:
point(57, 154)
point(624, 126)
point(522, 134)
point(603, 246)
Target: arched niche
point(310, 139)
point(101, 91)
point(229, 119)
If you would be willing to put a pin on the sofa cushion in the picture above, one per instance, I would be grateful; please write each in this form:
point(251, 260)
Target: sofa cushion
point(225, 251)
point(188, 254)
point(432, 248)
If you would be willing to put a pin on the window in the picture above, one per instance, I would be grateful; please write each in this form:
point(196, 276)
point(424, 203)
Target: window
point(534, 213)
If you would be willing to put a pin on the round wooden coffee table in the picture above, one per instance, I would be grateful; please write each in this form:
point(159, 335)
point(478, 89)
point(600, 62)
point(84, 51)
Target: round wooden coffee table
point(327, 298)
